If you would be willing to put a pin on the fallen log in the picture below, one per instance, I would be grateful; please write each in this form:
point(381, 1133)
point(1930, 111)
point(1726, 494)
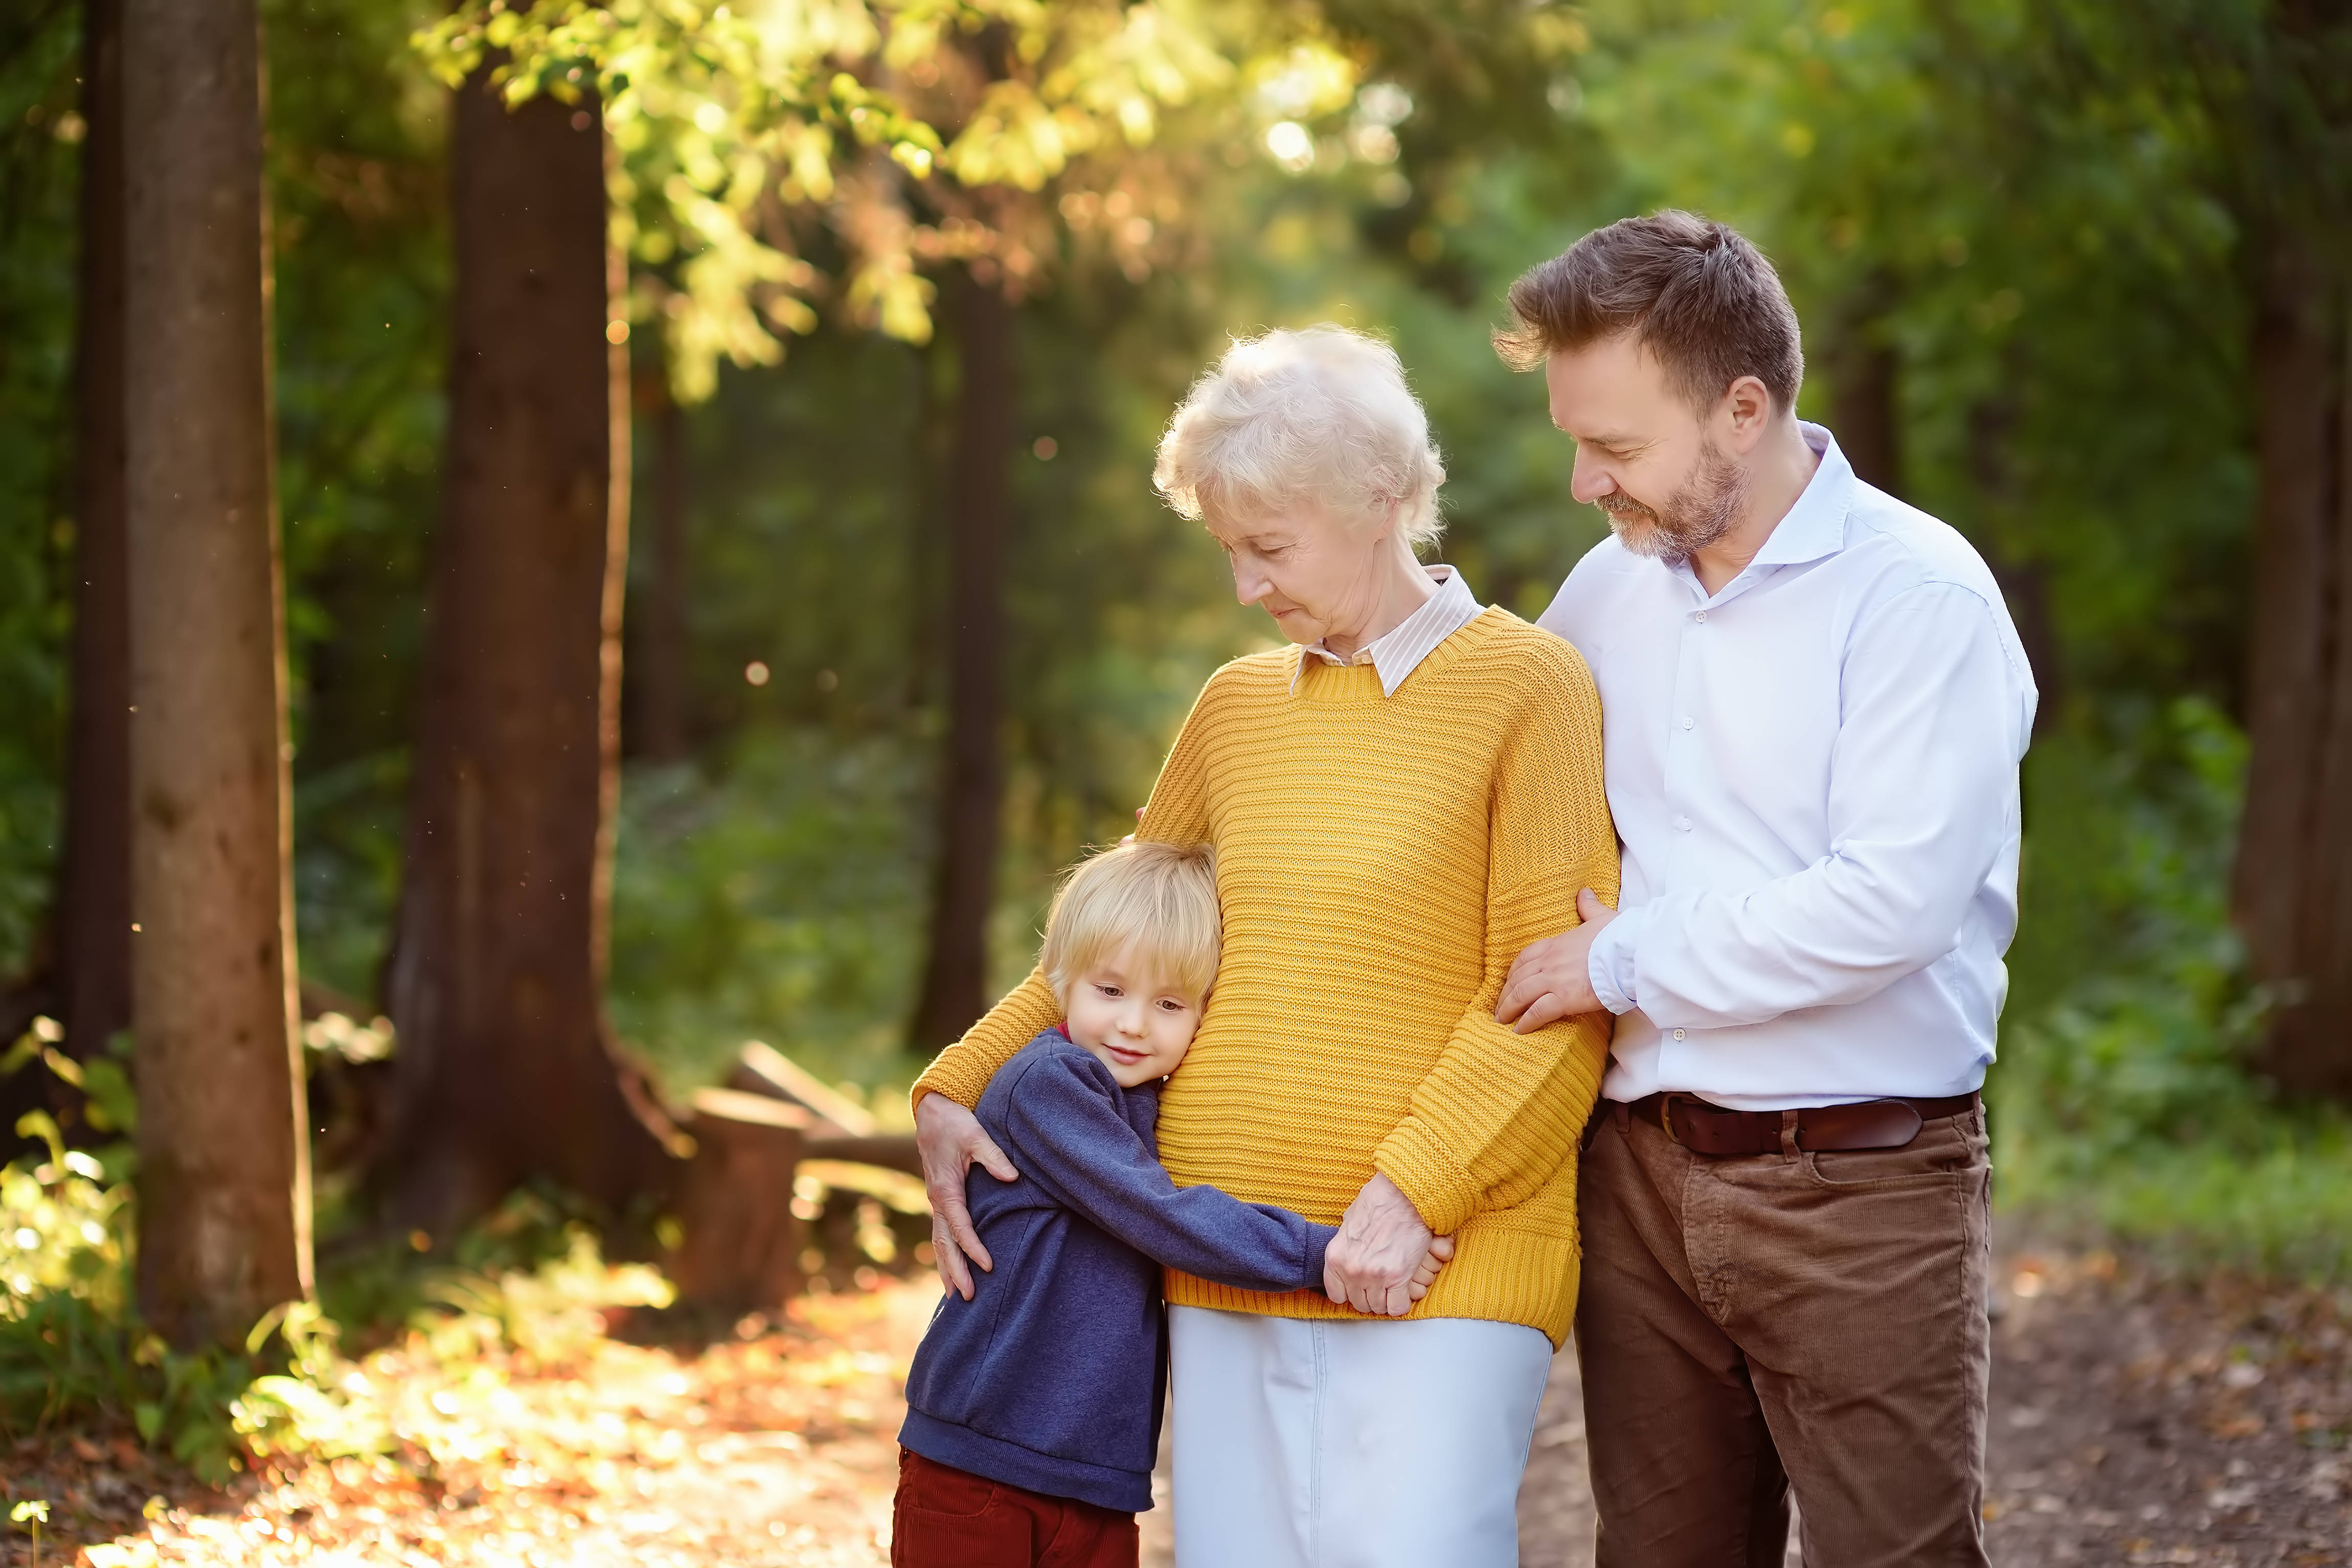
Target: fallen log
point(763, 1070)
point(891, 1151)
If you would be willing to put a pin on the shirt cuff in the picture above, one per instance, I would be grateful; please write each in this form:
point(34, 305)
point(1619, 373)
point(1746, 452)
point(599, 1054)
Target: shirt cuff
point(1610, 964)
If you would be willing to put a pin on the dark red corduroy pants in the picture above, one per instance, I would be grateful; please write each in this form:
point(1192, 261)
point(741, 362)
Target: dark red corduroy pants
point(948, 1517)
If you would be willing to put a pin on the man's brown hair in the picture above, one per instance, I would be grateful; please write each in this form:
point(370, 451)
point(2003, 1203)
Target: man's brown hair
point(1695, 293)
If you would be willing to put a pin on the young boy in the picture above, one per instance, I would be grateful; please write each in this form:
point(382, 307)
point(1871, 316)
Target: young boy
point(1032, 1410)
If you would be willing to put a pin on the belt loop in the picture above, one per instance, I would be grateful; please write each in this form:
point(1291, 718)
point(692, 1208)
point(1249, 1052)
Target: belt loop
point(1625, 1116)
point(1789, 1134)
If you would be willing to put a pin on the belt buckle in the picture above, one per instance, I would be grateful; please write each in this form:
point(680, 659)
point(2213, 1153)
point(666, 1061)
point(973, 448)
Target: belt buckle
point(1667, 1111)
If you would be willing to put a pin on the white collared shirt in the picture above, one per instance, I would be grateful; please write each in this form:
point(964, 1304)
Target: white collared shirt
point(1814, 777)
point(1399, 650)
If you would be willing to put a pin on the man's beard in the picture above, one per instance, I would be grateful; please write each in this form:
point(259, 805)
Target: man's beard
point(1702, 512)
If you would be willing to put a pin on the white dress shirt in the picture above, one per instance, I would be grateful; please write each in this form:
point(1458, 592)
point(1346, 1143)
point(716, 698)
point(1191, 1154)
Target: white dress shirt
point(1814, 777)
point(1399, 650)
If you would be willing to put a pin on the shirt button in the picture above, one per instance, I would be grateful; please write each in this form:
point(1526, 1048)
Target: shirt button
point(1682, 824)
point(1688, 722)
point(1702, 616)
point(1678, 1034)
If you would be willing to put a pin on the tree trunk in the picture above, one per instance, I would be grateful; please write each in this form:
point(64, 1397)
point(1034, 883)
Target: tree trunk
point(506, 1069)
point(94, 871)
point(2294, 877)
point(1865, 370)
point(662, 684)
point(223, 1203)
point(972, 776)
point(2025, 584)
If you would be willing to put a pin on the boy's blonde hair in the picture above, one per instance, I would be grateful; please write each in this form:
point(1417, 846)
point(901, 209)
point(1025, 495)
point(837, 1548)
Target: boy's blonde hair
point(1154, 902)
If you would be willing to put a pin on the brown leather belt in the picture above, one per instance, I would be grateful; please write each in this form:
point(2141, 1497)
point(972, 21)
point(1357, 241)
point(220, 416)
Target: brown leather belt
point(1714, 1131)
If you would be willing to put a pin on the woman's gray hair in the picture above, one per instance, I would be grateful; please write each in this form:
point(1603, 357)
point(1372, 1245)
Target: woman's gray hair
point(1321, 413)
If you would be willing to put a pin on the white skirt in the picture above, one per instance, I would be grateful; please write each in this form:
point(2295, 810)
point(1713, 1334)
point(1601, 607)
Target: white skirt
point(1330, 1443)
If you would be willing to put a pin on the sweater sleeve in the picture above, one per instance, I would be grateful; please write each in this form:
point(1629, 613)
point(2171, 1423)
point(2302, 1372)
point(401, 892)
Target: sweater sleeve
point(1068, 1137)
point(1500, 1110)
point(1177, 813)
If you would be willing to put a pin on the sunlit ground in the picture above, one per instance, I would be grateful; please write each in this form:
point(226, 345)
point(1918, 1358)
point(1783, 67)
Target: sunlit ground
point(776, 1445)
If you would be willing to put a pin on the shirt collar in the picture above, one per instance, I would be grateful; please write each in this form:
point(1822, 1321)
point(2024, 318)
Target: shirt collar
point(1815, 526)
point(1811, 528)
point(1398, 651)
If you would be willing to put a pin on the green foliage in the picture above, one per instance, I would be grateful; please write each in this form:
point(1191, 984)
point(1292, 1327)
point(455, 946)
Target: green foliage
point(528, 1281)
point(357, 189)
point(731, 124)
point(71, 1347)
point(2129, 1103)
point(40, 134)
point(784, 893)
point(397, 1401)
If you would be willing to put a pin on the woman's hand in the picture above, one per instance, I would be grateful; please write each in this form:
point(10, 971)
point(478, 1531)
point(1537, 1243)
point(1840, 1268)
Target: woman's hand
point(1382, 1245)
point(951, 1141)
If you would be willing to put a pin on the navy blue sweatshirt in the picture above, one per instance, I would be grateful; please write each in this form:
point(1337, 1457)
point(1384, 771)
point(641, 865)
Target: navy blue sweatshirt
point(1052, 1376)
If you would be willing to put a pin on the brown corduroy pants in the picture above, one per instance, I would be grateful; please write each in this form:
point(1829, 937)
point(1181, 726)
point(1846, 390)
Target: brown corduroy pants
point(1813, 1322)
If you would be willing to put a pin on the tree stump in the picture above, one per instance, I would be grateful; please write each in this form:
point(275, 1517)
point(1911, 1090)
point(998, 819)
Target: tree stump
point(742, 1249)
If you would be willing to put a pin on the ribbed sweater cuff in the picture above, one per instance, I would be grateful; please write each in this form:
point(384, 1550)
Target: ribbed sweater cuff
point(941, 1077)
point(1441, 1191)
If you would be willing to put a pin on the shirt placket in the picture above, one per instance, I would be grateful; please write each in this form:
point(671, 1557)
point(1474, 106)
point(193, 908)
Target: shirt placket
point(1681, 773)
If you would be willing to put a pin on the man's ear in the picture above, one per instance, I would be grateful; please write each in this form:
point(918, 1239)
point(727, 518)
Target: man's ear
point(1746, 408)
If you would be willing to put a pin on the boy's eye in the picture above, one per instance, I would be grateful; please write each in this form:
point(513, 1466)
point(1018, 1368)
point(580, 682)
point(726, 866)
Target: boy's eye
point(1110, 990)
point(1171, 1005)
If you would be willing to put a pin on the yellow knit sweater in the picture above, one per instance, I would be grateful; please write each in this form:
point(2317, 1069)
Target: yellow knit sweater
point(1380, 860)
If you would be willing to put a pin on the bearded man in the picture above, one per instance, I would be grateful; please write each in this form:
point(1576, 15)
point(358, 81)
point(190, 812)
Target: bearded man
point(1814, 706)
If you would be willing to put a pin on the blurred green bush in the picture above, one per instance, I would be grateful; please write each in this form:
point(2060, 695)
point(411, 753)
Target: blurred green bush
point(2126, 1106)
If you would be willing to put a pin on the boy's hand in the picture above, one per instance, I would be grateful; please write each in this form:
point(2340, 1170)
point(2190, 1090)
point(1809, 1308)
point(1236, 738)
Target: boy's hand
point(1439, 1253)
point(951, 1141)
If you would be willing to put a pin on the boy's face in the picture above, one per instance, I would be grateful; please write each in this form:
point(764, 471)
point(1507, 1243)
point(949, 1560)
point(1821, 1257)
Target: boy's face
point(1131, 1021)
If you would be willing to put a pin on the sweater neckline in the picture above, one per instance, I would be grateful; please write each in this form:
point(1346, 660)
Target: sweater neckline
point(1357, 685)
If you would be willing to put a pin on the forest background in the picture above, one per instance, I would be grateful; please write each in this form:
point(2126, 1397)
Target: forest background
point(2073, 277)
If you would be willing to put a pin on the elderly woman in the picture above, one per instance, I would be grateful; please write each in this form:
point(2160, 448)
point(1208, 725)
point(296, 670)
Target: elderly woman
point(1399, 803)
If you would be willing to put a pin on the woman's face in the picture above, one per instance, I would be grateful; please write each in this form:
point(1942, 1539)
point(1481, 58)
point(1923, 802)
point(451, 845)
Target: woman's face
point(1319, 575)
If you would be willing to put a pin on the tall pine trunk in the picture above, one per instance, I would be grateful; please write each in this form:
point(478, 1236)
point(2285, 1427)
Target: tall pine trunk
point(2294, 879)
point(224, 1199)
point(94, 871)
point(506, 1069)
point(972, 773)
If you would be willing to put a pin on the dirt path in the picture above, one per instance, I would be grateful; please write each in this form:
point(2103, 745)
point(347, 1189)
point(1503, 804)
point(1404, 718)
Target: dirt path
point(2133, 1423)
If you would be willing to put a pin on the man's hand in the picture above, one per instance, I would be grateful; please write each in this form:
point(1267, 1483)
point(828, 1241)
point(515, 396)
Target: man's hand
point(1552, 979)
point(1382, 1246)
point(952, 1140)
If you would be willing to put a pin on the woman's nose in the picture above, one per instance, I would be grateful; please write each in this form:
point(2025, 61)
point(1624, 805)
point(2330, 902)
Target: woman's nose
point(1249, 585)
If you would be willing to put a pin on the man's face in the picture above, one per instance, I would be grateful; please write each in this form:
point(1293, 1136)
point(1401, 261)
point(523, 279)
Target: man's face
point(1655, 465)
